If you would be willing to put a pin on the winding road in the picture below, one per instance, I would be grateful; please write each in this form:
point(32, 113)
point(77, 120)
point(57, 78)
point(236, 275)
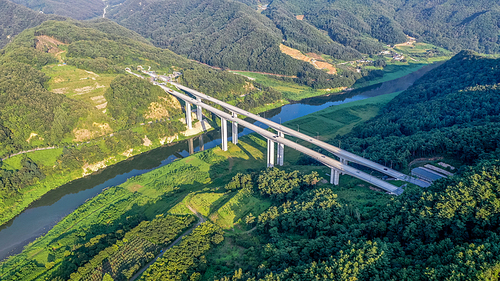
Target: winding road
point(28, 151)
point(104, 12)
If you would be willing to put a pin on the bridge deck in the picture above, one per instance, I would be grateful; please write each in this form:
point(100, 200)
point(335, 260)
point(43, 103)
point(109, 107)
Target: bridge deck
point(333, 149)
point(332, 163)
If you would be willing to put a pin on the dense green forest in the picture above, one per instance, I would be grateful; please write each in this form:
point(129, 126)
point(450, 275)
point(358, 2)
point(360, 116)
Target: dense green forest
point(237, 36)
point(79, 10)
point(454, 111)
point(452, 24)
point(305, 37)
point(448, 232)
point(232, 35)
point(16, 18)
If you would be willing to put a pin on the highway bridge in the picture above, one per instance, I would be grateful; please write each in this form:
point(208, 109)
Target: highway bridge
point(278, 138)
point(344, 156)
point(337, 166)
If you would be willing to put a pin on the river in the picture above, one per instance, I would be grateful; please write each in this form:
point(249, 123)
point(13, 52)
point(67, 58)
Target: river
point(44, 213)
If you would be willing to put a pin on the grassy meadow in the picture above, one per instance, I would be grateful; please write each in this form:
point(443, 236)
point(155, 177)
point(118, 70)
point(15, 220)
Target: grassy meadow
point(339, 119)
point(290, 90)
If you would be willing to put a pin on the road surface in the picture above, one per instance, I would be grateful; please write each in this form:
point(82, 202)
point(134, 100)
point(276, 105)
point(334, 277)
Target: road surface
point(274, 137)
point(351, 157)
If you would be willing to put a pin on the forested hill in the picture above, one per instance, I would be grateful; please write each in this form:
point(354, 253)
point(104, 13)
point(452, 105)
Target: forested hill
point(63, 86)
point(454, 110)
point(101, 47)
point(76, 9)
point(16, 18)
point(245, 35)
point(238, 36)
point(221, 33)
point(452, 24)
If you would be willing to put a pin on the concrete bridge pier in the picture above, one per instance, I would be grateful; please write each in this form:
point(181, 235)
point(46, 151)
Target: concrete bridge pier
point(270, 153)
point(199, 110)
point(190, 146)
point(343, 161)
point(281, 150)
point(188, 115)
point(334, 176)
point(223, 130)
point(234, 129)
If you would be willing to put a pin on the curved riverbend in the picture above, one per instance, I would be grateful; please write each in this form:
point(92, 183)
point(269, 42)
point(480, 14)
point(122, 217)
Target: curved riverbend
point(44, 213)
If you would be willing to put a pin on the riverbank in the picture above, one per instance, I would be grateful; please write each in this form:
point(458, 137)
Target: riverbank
point(58, 203)
point(13, 206)
point(222, 166)
point(192, 181)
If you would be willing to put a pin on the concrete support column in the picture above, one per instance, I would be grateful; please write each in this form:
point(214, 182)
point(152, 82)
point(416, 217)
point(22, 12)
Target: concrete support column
point(270, 153)
point(188, 115)
point(334, 176)
point(199, 110)
point(281, 150)
point(234, 129)
point(223, 130)
point(343, 161)
point(190, 146)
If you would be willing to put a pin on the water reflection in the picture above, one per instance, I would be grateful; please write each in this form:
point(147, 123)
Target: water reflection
point(43, 214)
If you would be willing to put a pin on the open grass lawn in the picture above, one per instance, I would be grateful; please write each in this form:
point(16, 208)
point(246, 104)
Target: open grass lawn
point(393, 71)
point(237, 208)
point(46, 158)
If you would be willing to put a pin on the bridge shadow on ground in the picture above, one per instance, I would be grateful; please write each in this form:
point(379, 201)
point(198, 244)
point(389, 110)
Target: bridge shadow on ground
point(89, 236)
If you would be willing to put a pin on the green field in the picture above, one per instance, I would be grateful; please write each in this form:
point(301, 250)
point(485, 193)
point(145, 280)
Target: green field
point(391, 72)
point(78, 84)
point(290, 90)
point(339, 119)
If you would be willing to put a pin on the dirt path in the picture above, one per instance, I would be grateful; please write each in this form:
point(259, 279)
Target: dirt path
point(201, 220)
point(28, 151)
point(58, 56)
point(420, 160)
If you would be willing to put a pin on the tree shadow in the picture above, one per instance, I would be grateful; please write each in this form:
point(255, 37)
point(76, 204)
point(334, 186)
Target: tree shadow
point(217, 204)
point(87, 241)
point(98, 237)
